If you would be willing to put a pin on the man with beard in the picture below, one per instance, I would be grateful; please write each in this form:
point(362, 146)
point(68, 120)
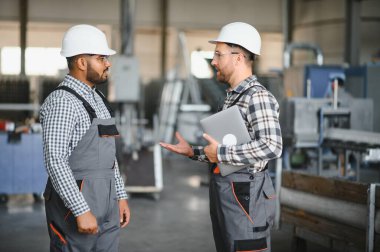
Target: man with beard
point(242, 204)
point(85, 198)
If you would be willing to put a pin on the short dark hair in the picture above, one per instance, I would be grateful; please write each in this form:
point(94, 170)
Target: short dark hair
point(250, 56)
point(71, 61)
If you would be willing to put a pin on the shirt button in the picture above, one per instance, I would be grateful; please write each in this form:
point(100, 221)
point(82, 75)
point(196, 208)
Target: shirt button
point(246, 197)
point(251, 177)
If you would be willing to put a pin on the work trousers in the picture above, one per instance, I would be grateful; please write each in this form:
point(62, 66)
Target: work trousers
point(242, 209)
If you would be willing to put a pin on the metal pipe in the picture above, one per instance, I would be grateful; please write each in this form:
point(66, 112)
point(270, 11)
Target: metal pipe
point(335, 99)
point(308, 88)
point(329, 208)
point(303, 46)
point(278, 183)
point(370, 232)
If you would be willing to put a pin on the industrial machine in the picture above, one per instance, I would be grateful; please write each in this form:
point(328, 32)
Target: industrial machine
point(138, 145)
point(312, 122)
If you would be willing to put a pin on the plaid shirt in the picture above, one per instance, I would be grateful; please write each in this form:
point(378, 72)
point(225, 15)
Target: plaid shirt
point(260, 111)
point(64, 122)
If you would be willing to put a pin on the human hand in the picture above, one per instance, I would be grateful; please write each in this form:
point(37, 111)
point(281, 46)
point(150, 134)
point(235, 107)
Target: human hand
point(211, 149)
point(124, 212)
point(87, 223)
point(182, 147)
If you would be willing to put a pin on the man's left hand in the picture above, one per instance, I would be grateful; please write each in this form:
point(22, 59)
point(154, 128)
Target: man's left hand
point(211, 149)
point(125, 214)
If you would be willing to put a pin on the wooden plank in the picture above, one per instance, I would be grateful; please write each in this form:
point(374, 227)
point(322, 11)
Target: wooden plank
point(340, 246)
point(334, 188)
point(352, 237)
point(314, 237)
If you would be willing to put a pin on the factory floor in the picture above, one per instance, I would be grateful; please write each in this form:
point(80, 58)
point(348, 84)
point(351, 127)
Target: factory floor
point(177, 221)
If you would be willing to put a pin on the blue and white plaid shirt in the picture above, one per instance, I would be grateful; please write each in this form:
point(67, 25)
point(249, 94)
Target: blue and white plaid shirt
point(260, 112)
point(64, 122)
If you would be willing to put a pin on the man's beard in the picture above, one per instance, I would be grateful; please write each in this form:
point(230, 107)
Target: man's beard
point(220, 76)
point(95, 78)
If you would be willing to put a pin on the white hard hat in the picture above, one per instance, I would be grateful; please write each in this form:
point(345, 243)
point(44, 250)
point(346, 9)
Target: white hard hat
point(241, 34)
point(85, 39)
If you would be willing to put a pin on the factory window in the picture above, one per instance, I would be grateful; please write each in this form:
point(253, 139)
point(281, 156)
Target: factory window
point(200, 64)
point(38, 61)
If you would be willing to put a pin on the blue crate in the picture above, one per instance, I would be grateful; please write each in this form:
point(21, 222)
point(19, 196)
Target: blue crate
point(21, 165)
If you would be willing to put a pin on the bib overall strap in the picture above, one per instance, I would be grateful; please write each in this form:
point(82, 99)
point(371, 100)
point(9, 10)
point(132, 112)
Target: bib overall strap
point(236, 100)
point(87, 106)
point(105, 101)
point(241, 94)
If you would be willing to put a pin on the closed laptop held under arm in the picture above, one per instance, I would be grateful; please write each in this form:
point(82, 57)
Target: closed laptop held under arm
point(228, 128)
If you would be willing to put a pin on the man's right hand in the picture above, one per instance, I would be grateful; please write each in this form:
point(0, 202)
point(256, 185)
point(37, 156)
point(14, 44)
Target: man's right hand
point(182, 147)
point(87, 223)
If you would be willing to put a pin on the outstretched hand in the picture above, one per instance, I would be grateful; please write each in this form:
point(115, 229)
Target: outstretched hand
point(211, 149)
point(182, 147)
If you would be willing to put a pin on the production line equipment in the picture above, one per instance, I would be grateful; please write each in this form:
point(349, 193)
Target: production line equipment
point(312, 125)
point(138, 146)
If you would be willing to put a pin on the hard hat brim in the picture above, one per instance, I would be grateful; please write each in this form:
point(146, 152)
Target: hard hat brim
point(108, 52)
point(214, 41)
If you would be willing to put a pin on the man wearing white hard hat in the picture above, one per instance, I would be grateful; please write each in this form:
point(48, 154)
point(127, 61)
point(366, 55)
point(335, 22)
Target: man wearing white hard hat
point(242, 204)
point(85, 198)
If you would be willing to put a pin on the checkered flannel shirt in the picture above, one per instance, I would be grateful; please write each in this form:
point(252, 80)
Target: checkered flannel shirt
point(64, 122)
point(260, 112)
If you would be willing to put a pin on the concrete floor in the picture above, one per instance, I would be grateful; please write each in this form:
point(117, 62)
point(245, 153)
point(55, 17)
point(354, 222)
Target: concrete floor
point(178, 221)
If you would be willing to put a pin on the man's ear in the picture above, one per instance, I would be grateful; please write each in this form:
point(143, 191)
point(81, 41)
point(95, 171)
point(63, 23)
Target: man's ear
point(239, 58)
point(81, 63)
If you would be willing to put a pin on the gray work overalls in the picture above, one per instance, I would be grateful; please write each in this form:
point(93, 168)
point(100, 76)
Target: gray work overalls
point(242, 209)
point(92, 164)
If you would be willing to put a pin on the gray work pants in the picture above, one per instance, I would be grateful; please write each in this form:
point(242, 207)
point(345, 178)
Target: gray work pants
point(242, 209)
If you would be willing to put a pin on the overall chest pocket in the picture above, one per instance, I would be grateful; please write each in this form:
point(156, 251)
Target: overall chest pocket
point(107, 145)
point(108, 130)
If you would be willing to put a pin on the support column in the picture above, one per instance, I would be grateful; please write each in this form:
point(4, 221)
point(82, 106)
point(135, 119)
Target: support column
point(23, 17)
point(164, 26)
point(352, 37)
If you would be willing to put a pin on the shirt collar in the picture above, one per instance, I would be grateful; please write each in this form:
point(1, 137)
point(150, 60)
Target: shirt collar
point(245, 84)
point(80, 87)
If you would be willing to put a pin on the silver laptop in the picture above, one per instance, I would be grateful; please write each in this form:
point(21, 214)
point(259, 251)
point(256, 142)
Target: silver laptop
point(228, 128)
